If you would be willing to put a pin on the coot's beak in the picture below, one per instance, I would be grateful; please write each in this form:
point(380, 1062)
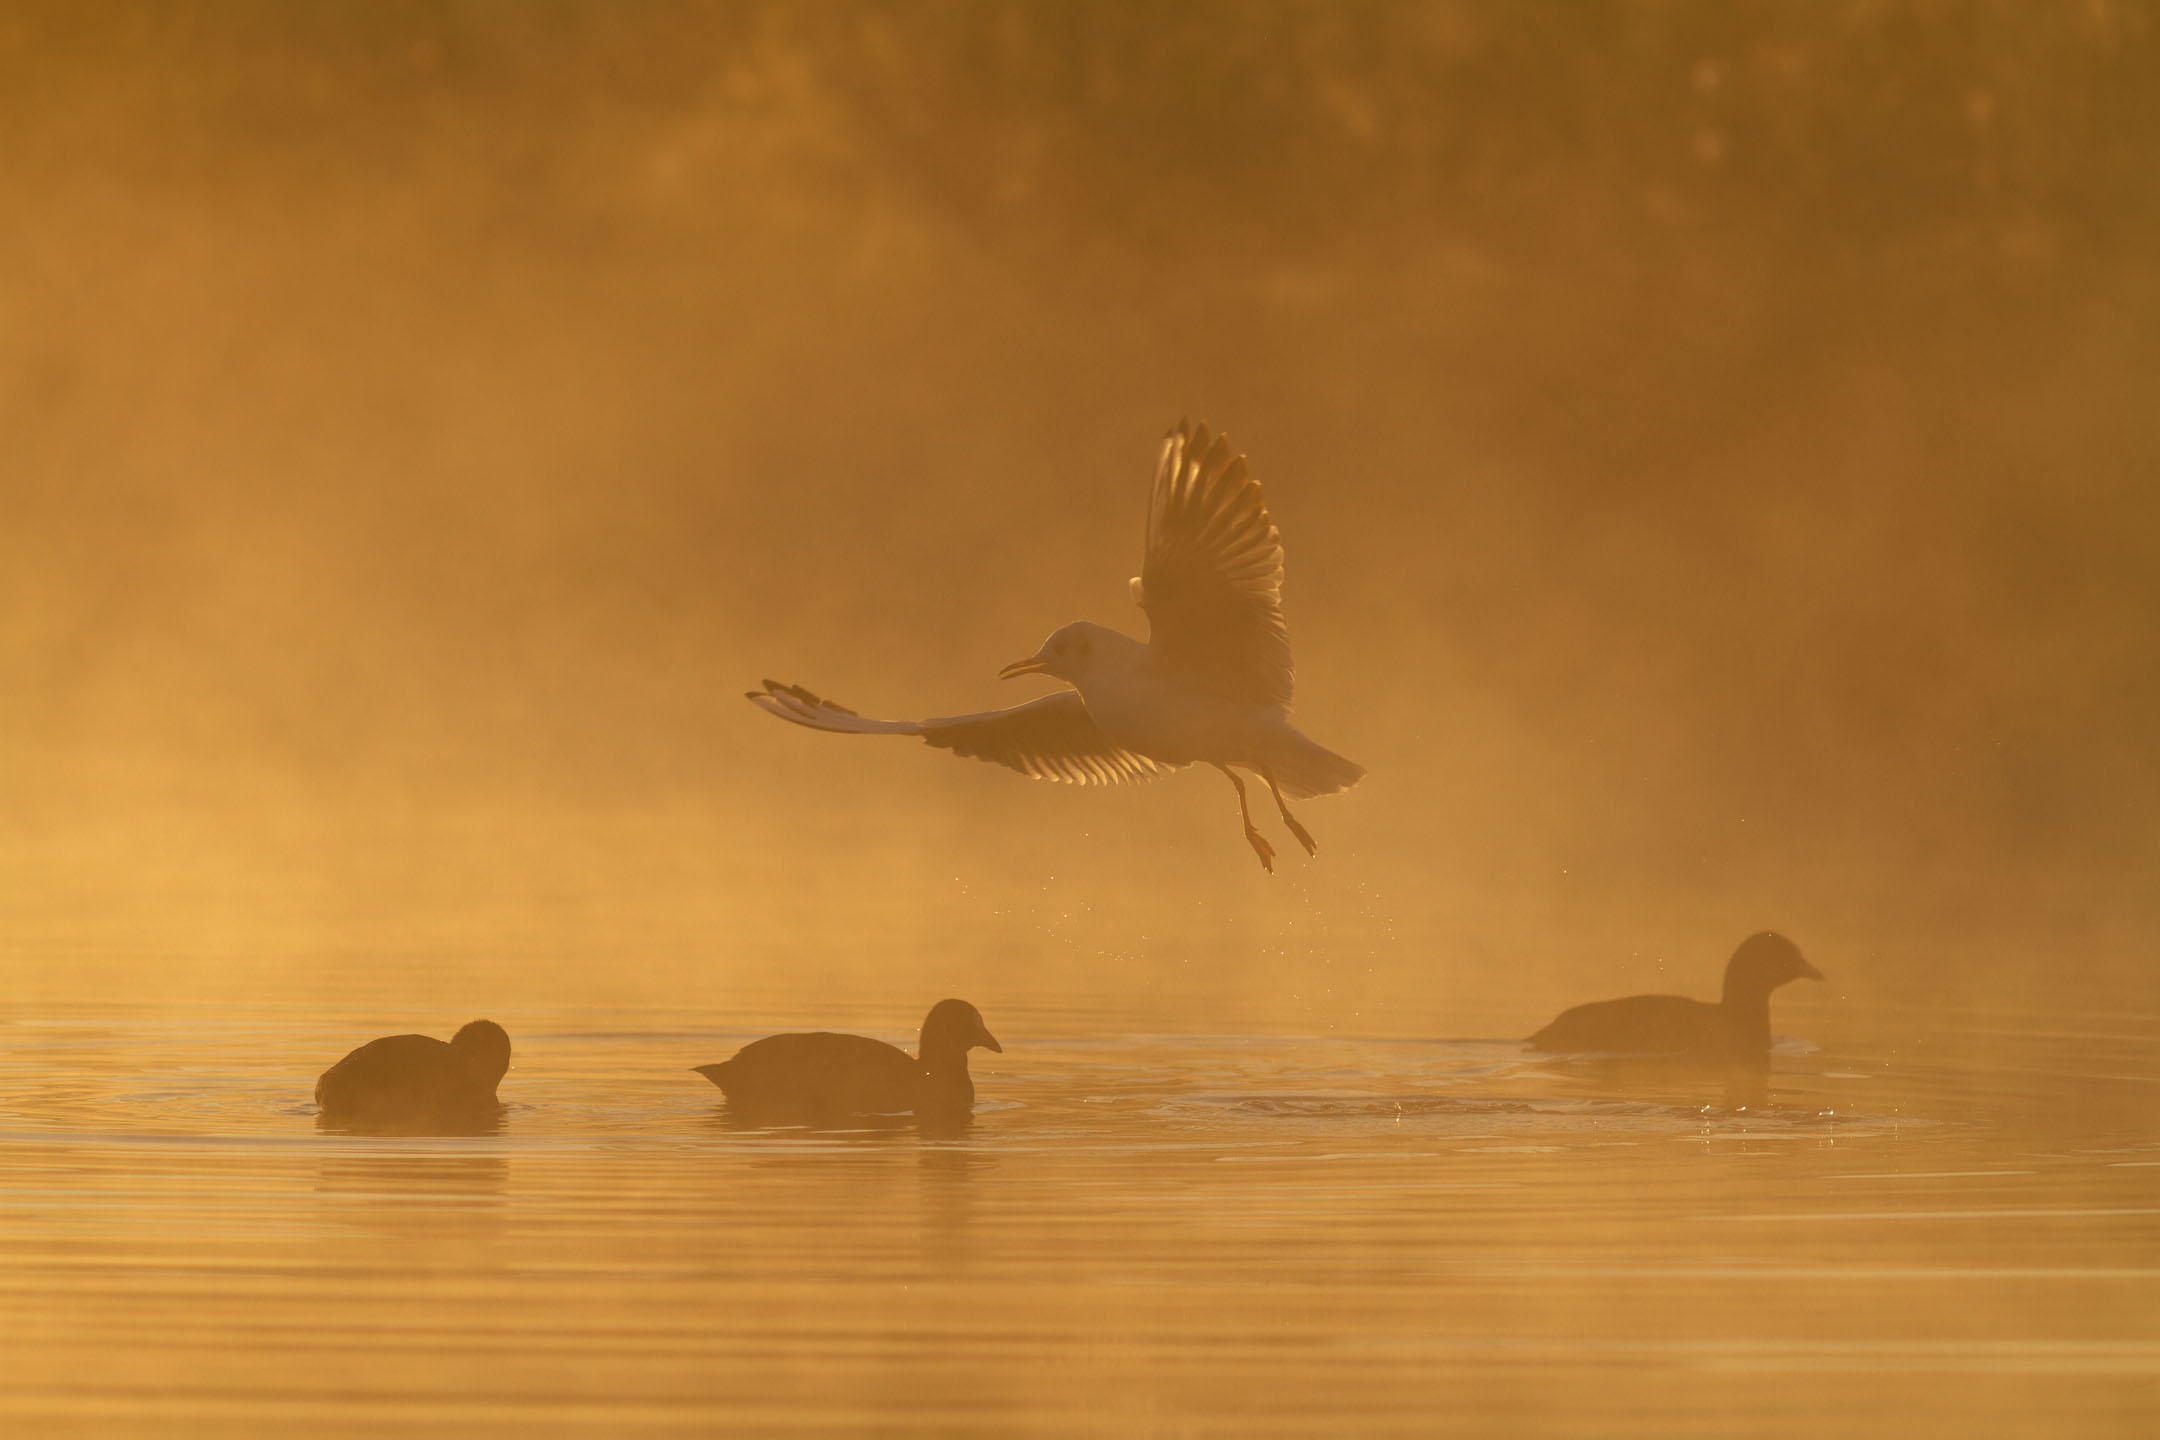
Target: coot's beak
point(1033, 665)
point(988, 1041)
point(1809, 972)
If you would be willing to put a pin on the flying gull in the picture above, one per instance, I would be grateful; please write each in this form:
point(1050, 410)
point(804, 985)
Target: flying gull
point(1210, 685)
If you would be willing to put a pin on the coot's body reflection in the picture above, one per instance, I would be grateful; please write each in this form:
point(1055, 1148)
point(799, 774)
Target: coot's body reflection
point(1713, 1084)
point(936, 1124)
point(400, 1178)
point(454, 1125)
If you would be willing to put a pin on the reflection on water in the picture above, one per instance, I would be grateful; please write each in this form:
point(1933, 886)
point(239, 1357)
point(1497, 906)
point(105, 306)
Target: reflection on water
point(418, 1182)
point(931, 1125)
point(1741, 1085)
point(1184, 1234)
point(470, 1124)
point(859, 1129)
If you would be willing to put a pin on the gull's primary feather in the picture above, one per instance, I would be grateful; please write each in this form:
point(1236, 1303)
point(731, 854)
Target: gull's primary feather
point(1211, 582)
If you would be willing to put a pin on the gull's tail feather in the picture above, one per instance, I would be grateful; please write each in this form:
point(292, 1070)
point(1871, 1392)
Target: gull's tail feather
point(1304, 769)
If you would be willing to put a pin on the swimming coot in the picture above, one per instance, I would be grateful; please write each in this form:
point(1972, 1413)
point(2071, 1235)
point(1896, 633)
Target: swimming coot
point(1737, 1026)
point(820, 1077)
point(416, 1082)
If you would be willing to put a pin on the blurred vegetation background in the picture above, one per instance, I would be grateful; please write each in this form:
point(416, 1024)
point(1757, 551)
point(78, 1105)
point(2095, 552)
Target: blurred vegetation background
point(1715, 446)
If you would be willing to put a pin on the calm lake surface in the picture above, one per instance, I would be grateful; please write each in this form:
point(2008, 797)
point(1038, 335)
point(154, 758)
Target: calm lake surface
point(1956, 1229)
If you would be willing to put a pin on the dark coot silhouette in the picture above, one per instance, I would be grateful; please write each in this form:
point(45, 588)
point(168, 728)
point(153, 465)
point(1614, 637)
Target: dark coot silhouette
point(416, 1084)
point(1737, 1027)
point(823, 1079)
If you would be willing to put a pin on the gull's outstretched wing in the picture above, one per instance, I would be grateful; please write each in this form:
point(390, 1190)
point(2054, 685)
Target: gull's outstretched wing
point(1212, 579)
point(1053, 738)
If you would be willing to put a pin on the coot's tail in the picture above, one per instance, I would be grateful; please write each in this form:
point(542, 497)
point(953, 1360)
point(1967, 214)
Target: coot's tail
point(1304, 769)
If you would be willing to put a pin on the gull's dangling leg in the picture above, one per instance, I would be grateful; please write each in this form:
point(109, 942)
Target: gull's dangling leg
point(1304, 836)
point(1265, 851)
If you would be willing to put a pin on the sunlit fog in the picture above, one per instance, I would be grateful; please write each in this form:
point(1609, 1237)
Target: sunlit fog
point(1716, 452)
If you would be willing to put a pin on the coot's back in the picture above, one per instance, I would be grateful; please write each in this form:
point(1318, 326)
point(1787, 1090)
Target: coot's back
point(1638, 1024)
point(819, 1076)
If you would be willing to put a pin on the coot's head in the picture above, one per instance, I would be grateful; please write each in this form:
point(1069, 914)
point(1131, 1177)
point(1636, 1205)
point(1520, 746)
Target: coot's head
point(952, 1028)
point(487, 1045)
point(1763, 962)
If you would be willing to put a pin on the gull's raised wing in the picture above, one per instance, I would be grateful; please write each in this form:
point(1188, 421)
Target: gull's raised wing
point(1053, 738)
point(1211, 582)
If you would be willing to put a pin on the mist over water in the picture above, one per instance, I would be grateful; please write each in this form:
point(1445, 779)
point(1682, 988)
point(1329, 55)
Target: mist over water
point(1712, 453)
point(1714, 450)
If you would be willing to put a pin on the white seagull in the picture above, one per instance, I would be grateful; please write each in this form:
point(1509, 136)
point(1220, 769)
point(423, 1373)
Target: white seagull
point(1210, 685)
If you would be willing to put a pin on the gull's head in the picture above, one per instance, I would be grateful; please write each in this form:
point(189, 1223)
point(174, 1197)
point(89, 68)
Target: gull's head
point(1070, 654)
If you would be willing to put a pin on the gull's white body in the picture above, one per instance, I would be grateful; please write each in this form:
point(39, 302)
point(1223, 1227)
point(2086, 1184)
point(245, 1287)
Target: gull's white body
point(1211, 685)
point(1154, 709)
point(1153, 706)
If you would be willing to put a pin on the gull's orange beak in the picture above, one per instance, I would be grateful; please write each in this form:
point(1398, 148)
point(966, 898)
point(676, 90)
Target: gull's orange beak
point(987, 1040)
point(1033, 665)
point(1809, 972)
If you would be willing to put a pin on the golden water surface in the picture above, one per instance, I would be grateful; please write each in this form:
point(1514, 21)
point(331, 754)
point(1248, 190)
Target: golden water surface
point(1954, 1225)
